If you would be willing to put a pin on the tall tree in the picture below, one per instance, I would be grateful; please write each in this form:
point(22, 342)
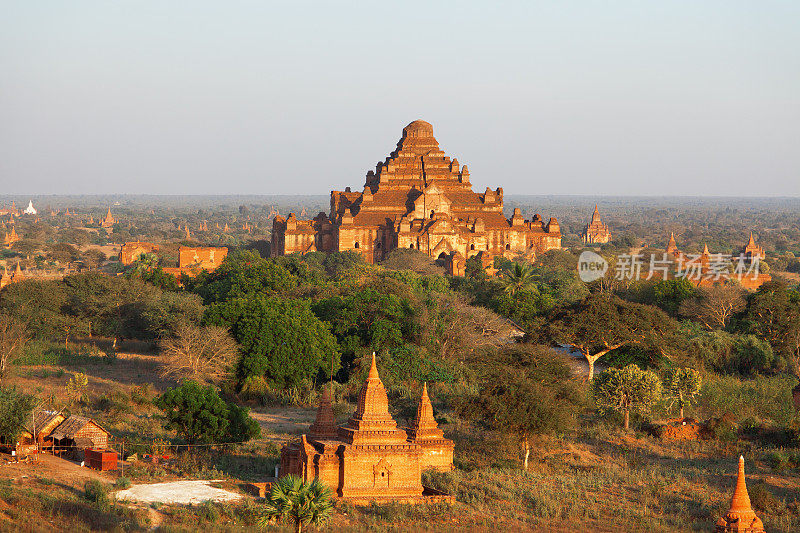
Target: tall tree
point(15, 412)
point(242, 274)
point(204, 354)
point(682, 385)
point(13, 338)
point(453, 328)
point(517, 277)
point(714, 306)
point(198, 414)
point(603, 322)
point(281, 339)
point(526, 391)
point(773, 313)
point(626, 390)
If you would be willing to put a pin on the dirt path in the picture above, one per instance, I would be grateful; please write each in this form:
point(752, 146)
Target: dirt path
point(55, 468)
point(155, 518)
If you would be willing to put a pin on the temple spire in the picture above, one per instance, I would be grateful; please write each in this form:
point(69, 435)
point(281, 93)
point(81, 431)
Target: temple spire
point(424, 419)
point(324, 426)
point(741, 499)
point(372, 423)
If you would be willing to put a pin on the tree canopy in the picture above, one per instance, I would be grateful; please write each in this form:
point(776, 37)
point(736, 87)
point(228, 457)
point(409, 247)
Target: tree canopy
point(626, 390)
point(280, 339)
point(602, 322)
point(198, 414)
point(528, 390)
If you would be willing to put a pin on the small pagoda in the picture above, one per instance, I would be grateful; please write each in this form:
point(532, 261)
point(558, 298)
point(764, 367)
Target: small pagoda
point(11, 237)
point(740, 518)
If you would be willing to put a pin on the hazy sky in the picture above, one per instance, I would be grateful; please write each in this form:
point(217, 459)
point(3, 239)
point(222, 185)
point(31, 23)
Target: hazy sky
point(596, 97)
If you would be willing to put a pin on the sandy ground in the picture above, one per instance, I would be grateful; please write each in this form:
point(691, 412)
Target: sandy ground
point(278, 424)
point(50, 467)
point(178, 492)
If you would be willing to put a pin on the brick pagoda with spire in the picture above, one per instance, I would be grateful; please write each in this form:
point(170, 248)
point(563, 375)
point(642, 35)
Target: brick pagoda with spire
point(753, 250)
point(595, 232)
point(672, 246)
point(369, 457)
point(740, 518)
point(437, 450)
point(11, 237)
point(417, 198)
point(109, 221)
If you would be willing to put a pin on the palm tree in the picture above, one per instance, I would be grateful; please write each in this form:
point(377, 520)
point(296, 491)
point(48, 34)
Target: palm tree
point(517, 276)
point(303, 503)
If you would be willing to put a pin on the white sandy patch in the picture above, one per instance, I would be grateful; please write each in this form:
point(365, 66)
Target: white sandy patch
point(181, 492)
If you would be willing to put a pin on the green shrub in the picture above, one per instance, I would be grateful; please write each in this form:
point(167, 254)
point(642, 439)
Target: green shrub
point(114, 402)
point(42, 352)
point(778, 460)
point(96, 492)
point(207, 512)
point(722, 429)
point(198, 414)
point(122, 483)
point(142, 394)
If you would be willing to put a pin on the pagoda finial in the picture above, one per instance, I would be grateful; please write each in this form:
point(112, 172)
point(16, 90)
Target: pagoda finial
point(595, 215)
point(372, 423)
point(752, 241)
point(373, 370)
point(740, 517)
point(705, 249)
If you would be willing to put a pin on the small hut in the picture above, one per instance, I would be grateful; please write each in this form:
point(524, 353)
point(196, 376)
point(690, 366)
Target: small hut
point(79, 433)
point(36, 433)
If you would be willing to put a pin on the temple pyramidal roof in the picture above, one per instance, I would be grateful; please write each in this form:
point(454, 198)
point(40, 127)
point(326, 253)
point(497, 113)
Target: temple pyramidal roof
point(417, 165)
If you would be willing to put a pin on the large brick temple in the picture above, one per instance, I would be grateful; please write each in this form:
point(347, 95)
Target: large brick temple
point(369, 457)
point(421, 199)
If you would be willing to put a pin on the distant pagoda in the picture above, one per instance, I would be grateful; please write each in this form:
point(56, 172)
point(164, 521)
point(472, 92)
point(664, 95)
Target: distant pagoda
point(595, 232)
